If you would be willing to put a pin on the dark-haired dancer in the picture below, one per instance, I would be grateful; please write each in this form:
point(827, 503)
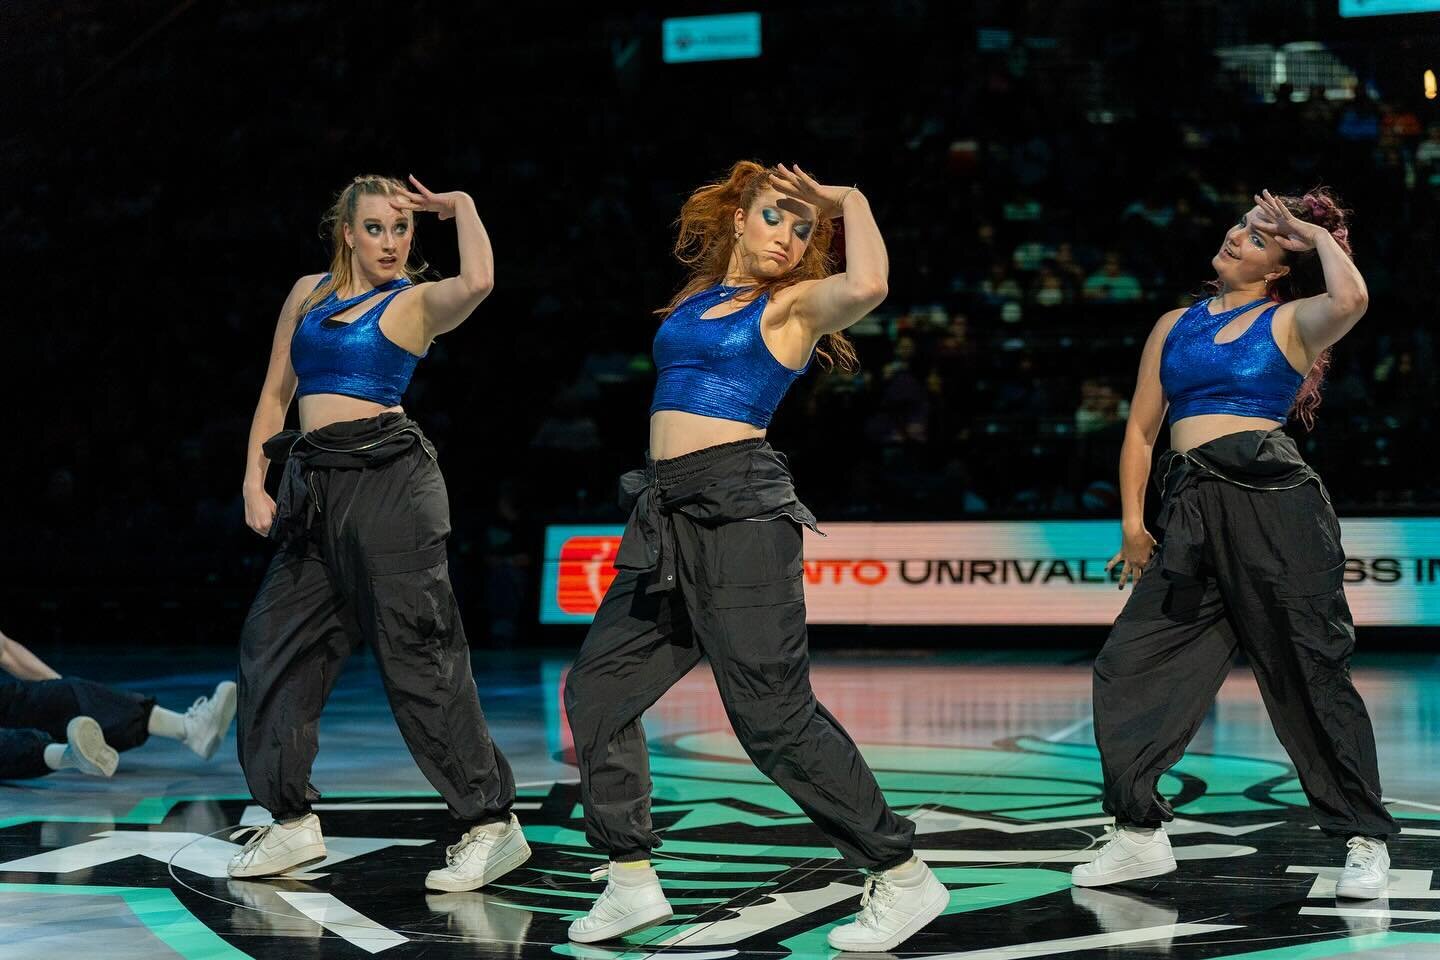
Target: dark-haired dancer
point(362, 523)
point(1251, 553)
point(710, 564)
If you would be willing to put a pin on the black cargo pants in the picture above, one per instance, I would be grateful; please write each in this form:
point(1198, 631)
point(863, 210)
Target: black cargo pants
point(721, 533)
point(365, 519)
point(33, 715)
point(1261, 567)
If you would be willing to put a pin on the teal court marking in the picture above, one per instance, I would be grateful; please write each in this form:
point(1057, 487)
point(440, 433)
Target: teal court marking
point(158, 909)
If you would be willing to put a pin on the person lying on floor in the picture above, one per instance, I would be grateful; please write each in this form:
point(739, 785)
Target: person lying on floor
point(49, 722)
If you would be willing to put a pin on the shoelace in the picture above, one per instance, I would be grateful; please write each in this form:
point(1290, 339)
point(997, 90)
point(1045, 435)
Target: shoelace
point(879, 893)
point(197, 706)
point(1363, 851)
point(259, 832)
point(1113, 836)
point(600, 873)
point(452, 852)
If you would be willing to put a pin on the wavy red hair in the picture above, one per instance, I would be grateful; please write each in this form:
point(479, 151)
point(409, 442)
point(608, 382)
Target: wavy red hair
point(705, 241)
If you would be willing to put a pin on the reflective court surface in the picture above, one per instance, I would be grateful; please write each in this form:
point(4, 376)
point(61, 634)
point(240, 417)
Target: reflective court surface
point(990, 754)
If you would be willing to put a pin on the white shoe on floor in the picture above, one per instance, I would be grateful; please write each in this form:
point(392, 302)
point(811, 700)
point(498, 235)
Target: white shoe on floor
point(632, 901)
point(86, 749)
point(1133, 853)
point(1367, 870)
point(276, 848)
point(895, 905)
point(483, 855)
point(208, 720)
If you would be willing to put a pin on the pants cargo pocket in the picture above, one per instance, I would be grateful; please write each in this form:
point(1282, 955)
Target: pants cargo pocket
point(416, 616)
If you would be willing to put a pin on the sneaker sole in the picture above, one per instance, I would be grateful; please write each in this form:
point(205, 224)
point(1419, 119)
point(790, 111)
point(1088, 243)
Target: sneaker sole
point(492, 873)
point(225, 696)
point(304, 857)
point(918, 922)
point(1138, 871)
point(1361, 893)
point(634, 923)
point(86, 740)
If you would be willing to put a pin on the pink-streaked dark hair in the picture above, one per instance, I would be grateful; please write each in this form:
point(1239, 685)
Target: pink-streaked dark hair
point(1306, 278)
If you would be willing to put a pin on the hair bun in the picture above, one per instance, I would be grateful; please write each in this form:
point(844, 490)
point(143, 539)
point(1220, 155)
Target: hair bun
point(1321, 207)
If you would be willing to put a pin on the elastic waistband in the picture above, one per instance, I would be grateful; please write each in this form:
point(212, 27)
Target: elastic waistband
point(677, 469)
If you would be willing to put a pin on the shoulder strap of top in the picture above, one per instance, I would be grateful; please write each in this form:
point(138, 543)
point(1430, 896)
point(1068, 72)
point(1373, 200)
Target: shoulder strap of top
point(1233, 312)
point(332, 305)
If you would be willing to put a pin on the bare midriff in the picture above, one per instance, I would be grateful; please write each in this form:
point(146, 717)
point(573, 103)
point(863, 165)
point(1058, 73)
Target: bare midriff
point(1194, 431)
point(674, 433)
point(322, 409)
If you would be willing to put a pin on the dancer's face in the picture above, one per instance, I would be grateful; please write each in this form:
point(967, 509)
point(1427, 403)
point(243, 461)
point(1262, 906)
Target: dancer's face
point(774, 234)
point(379, 239)
point(1249, 256)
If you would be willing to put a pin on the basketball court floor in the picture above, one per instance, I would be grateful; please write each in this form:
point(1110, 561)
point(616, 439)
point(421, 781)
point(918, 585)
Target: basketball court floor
point(991, 755)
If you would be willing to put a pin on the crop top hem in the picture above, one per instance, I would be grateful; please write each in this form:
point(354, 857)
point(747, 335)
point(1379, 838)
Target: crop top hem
point(675, 405)
point(1187, 414)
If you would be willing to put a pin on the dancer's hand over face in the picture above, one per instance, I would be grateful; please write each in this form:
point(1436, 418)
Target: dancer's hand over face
point(1289, 231)
point(799, 185)
point(427, 201)
point(1135, 552)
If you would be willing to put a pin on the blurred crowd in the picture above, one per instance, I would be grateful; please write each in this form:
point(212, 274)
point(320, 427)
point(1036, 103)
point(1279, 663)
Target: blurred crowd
point(1042, 207)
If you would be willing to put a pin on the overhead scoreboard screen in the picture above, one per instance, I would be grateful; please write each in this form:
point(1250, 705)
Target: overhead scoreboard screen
point(1376, 8)
point(731, 36)
point(965, 573)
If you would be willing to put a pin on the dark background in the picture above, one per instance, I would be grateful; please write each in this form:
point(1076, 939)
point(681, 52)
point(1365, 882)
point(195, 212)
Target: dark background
point(168, 164)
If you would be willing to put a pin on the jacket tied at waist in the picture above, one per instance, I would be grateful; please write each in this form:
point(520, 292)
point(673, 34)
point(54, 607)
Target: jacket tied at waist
point(1260, 460)
point(744, 480)
point(349, 445)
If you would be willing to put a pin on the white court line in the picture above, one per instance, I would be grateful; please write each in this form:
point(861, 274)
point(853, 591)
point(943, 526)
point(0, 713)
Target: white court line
point(332, 914)
point(1044, 948)
point(1370, 913)
point(1075, 727)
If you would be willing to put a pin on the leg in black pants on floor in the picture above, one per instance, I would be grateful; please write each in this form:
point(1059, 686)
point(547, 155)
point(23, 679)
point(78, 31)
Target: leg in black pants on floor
point(123, 719)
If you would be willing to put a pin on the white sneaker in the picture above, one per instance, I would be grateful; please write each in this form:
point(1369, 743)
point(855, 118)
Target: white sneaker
point(1132, 854)
point(1367, 870)
point(484, 854)
point(895, 905)
point(276, 848)
point(86, 749)
point(208, 720)
point(632, 901)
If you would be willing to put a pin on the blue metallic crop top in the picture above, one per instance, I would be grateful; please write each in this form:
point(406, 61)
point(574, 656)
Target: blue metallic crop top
point(352, 358)
point(1247, 377)
point(719, 367)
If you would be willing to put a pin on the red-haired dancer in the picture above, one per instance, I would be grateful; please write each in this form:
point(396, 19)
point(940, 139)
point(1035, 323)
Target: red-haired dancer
point(710, 564)
point(1251, 554)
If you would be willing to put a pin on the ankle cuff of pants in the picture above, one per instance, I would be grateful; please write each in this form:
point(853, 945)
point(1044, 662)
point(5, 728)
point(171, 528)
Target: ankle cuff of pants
point(1139, 824)
point(632, 856)
point(501, 817)
point(892, 864)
